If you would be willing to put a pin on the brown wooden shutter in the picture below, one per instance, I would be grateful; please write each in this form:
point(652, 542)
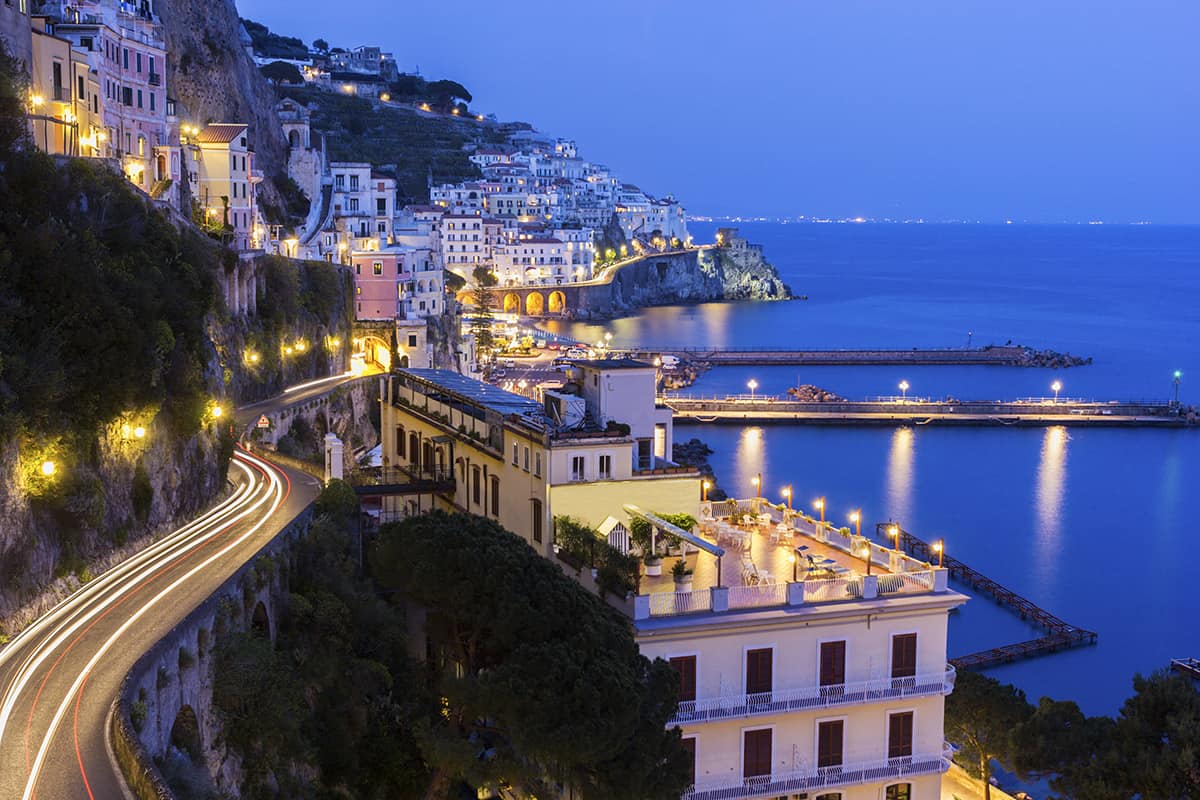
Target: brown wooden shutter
point(685, 668)
point(758, 670)
point(829, 743)
point(904, 655)
point(900, 734)
point(690, 746)
point(756, 755)
point(833, 663)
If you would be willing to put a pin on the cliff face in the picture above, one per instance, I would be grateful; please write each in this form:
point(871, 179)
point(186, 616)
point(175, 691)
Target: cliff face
point(695, 276)
point(215, 80)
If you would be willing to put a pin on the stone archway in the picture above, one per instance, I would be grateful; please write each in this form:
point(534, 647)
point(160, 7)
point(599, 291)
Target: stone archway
point(512, 303)
point(557, 302)
point(535, 304)
point(260, 621)
point(185, 734)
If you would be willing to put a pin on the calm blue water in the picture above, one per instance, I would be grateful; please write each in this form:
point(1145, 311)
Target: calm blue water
point(1098, 526)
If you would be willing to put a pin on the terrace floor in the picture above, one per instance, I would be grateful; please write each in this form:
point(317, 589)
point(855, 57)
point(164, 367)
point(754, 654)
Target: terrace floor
point(770, 560)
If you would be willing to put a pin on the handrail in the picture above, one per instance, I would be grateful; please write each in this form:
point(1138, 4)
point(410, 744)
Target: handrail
point(811, 697)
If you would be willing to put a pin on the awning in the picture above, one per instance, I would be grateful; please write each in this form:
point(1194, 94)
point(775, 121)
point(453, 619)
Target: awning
point(675, 530)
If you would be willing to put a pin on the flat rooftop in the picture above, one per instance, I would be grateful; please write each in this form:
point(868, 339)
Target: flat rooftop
point(611, 363)
point(477, 392)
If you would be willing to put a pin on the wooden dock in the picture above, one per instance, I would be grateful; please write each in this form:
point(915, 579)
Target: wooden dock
point(1059, 635)
point(991, 356)
point(742, 409)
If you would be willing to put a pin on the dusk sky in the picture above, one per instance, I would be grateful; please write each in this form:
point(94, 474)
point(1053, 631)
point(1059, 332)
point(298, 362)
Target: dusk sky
point(1032, 110)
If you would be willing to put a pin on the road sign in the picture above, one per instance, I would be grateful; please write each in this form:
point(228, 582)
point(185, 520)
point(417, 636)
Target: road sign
point(264, 421)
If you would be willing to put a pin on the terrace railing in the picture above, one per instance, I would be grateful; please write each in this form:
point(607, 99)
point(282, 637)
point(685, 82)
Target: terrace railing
point(813, 697)
point(667, 604)
point(758, 596)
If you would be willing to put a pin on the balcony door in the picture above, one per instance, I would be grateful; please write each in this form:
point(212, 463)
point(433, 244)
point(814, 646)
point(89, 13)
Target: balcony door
point(830, 737)
point(904, 659)
point(759, 674)
point(756, 753)
point(685, 669)
point(900, 735)
point(833, 668)
point(689, 745)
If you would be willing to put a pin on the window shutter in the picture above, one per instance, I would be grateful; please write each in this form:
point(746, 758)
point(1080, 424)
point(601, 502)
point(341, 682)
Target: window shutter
point(829, 743)
point(685, 668)
point(900, 735)
point(833, 663)
point(756, 755)
point(904, 655)
point(758, 671)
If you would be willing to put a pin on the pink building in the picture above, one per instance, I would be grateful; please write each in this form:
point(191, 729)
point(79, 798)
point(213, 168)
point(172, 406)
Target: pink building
point(378, 283)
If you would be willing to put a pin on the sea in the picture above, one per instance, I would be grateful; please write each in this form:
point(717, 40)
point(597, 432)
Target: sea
point(1101, 527)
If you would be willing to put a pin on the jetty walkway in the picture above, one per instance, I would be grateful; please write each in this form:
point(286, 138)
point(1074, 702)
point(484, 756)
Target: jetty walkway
point(1059, 635)
point(991, 355)
point(1035, 412)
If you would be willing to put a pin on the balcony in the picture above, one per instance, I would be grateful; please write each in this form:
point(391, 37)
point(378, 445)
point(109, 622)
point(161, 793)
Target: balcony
point(811, 698)
point(813, 778)
point(155, 79)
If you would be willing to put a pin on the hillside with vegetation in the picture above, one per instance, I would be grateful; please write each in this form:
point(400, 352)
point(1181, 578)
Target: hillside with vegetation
point(530, 682)
point(406, 143)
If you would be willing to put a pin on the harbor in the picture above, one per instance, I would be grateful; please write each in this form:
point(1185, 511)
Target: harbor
point(990, 355)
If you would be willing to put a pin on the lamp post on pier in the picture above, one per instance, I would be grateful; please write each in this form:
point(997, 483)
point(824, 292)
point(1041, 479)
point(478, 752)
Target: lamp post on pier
point(1175, 380)
point(1057, 387)
point(866, 554)
point(903, 391)
point(856, 518)
point(894, 532)
point(787, 495)
point(752, 385)
point(939, 548)
point(819, 504)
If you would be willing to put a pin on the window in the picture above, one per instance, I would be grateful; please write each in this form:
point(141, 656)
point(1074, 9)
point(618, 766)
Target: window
point(354, 204)
point(475, 487)
point(354, 183)
point(412, 342)
point(537, 520)
point(904, 655)
point(756, 753)
point(577, 468)
point(152, 101)
point(830, 796)
point(829, 743)
point(126, 99)
point(139, 92)
point(339, 181)
point(495, 496)
point(380, 205)
point(125, 57)
point(400, 441)
point(605, 467)
point(900, 734)
point(537, 465)
point(138, 57)
point(516, 448)
point(358, 269)
point(685, 670)
point(689, 745)
point(758, 670)
point(525, 465)
point(898, 791)
point(377, 267)
point(833, 664)
point(81, 88)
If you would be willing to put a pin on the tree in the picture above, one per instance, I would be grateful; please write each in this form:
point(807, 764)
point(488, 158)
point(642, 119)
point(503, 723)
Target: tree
point(539, 677)
point(14, 130)
point(484, 297)
point(320, 45)
point(445, 92)
point(282, 72)
point(981, 714)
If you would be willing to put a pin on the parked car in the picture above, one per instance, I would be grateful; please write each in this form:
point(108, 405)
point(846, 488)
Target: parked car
point(575, 352)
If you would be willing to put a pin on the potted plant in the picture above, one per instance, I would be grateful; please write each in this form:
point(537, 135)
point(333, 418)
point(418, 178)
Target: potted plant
point(653, 564)
point(683, 576)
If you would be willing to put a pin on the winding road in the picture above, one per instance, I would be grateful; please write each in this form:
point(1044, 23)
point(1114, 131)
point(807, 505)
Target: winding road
point(60, 676)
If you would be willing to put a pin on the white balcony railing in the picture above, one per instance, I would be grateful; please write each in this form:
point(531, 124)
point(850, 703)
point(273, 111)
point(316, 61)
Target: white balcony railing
point(759, 596)
point(813, 697)
point(806, 780)
point(906, 582)
point(666, 604)
point(832, 589)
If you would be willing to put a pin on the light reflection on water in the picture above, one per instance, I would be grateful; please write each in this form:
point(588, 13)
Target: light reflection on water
point(1050, 493)
point(900, 475)
point(751, 460)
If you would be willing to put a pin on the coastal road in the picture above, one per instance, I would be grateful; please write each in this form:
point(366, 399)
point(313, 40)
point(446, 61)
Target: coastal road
point(59, 677)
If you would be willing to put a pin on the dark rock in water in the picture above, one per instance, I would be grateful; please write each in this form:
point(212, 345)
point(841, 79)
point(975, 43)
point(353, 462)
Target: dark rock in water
point(808, 393)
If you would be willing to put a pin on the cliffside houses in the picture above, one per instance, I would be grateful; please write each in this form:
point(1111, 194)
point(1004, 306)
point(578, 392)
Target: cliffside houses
point(802, 671)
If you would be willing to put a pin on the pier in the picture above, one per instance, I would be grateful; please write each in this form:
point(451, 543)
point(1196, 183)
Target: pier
point(1036, 412)
point(991, 355)
point(1059, 635)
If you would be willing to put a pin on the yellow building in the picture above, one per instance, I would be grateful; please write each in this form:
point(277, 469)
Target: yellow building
point(225, 181)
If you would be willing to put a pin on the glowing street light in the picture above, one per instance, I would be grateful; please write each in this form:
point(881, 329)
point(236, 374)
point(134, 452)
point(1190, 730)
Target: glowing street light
point(1057, 387)
point(48, 468)
point(787, 495)
point(939, 547)
point(792, 558)
point(866, 555)
point(1175, 380)
point(903, 390)
point(819, 505)
point(252, 357)
point(856, 518)
point(217, 411)
point(704, 487)
point(139, 432)
point(894, 532)
point(752, 385)
point(757, 481)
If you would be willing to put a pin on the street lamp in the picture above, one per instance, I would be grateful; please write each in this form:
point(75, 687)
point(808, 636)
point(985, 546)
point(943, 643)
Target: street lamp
point(787, 494)
point(752, 384)
point(139, 432)
point(48, 468)
point(757, 481)
point(1057, 387)
point(856, 518)
point(704, 487)
point(1175, 380)
point(903, 390)
point(866, 554)
point(894, 532)
point(217, 411)
point(819, 504)
point(792, 558)
point(939, 548)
